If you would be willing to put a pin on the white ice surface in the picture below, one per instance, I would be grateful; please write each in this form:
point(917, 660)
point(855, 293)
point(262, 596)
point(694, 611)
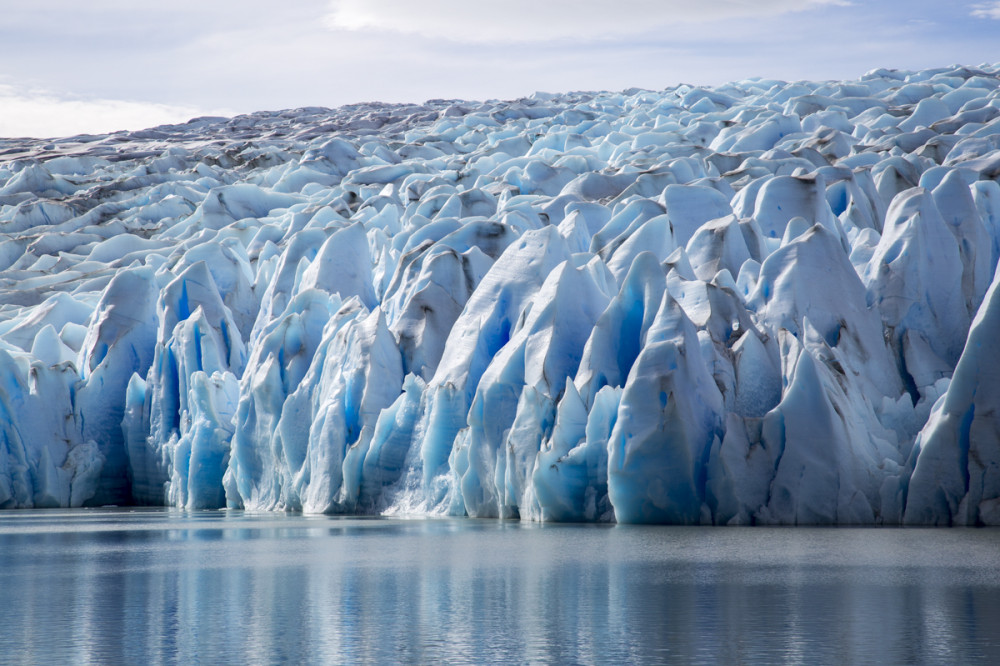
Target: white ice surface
point(762, 303)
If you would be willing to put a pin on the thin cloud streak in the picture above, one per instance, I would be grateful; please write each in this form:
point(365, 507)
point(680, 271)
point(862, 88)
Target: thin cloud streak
point(986, 10)
point(41, 114)
point(529, 20)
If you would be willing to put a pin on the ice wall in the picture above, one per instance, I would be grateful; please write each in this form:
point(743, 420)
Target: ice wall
point(759, 303)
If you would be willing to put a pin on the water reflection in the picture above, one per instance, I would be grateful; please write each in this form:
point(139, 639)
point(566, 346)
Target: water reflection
point(161, 586)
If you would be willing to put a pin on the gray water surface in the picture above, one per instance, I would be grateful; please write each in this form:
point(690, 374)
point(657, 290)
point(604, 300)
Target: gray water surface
point(160, 586)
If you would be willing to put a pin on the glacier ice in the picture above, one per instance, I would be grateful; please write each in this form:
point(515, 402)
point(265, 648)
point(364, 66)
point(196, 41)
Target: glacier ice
point(762, 303)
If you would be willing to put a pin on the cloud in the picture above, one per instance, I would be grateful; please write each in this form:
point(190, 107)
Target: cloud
point(73, 69)
point(987, 10)
point(42, 114)
point(534, 20)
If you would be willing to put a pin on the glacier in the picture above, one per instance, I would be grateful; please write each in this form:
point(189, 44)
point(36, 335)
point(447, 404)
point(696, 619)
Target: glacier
point(765, 302)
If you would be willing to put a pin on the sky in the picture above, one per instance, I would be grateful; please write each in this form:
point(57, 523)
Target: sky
point(69, 67)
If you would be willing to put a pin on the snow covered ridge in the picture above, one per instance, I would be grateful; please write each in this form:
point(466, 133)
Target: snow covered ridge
point(760, 303)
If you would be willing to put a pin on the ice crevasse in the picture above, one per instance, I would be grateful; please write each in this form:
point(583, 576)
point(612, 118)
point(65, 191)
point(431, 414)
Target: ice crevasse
point(761, 303)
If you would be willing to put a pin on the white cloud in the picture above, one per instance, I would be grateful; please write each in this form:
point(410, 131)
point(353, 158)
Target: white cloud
point(194, 57)
point(987, 10)
point(538, 20)
point(38, 113)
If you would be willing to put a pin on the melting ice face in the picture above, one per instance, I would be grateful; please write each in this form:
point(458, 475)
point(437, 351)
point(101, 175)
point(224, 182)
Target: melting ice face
point(759, 303)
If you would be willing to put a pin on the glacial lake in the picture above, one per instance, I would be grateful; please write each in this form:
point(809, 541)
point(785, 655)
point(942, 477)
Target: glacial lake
point(157, 586)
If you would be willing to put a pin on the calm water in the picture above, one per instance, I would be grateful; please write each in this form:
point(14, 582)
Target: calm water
point(154, 586)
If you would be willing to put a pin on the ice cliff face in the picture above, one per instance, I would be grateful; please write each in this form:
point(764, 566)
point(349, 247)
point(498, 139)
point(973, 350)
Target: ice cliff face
point(760, 303)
